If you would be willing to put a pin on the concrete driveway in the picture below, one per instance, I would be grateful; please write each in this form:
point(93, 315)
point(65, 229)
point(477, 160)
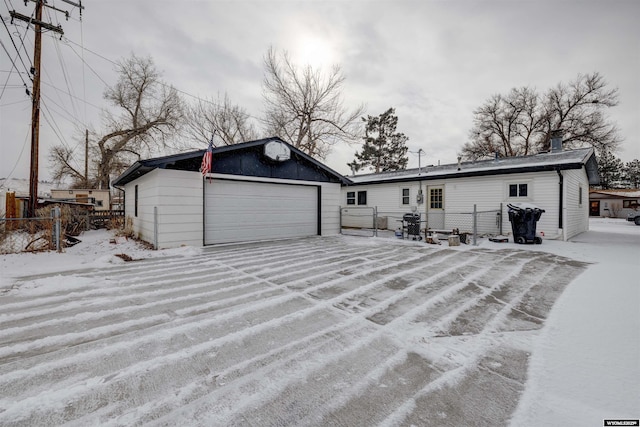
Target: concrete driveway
point(340, 331)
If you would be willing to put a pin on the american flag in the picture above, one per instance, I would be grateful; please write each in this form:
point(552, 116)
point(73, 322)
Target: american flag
point(205, 168)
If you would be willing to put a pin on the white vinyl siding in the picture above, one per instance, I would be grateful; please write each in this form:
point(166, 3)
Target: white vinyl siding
point(177, 197)
point(387, 198)
point(488, 192)
point(576, 214)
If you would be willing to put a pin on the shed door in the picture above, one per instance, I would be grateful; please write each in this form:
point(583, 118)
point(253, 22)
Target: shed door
point(240, 211)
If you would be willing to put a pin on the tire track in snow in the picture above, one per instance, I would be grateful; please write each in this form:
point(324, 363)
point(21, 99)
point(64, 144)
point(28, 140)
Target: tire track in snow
point(493, 372)
point(122, 293)
point(197, 368)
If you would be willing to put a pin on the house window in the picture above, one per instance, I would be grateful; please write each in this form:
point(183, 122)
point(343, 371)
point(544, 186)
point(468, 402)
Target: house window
point(362, 197)
point(435, 198)
point(135, 207)
point(405, 196)
point(580, 195)
point(351, 198)
point(518, 190)
point(630, 204)
point(99, 203)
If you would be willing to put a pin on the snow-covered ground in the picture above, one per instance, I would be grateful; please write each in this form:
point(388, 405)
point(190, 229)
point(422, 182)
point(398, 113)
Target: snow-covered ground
point(324, 331)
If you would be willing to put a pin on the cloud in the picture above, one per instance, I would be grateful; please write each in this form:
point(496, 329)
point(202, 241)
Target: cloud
point(434, 61)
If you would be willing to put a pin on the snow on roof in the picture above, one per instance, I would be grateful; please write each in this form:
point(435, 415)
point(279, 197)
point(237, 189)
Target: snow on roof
point(632, 194)
point(545, 161)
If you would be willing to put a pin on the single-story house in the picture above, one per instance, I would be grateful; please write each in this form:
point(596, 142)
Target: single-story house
point(257, 190)
point(444, 196)
point(613, 203)
point(101, 199)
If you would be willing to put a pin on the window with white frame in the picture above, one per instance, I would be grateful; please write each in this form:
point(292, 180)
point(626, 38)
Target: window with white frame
point(519, 190)
point(351, 197)
point(435, 198)
point(406, 199)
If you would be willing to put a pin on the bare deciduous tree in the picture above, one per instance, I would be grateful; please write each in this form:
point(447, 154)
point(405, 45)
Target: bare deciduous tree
point(521, 122)
point(62, 159)
point(230, 122)
point(146, 116)
point(304, 106)
point(578, 109)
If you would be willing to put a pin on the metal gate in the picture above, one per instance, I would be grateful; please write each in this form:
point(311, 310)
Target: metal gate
point(359, 221)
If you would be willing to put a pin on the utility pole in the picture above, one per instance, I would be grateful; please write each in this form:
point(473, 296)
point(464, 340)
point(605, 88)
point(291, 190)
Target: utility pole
point(39, 27)
point(86, 158)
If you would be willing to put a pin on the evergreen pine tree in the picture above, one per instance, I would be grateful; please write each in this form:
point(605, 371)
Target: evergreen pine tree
point(610, 169)
point(632, 173)
point(384, 149)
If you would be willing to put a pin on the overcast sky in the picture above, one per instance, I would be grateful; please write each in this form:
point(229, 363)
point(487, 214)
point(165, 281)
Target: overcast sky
point(434, 61)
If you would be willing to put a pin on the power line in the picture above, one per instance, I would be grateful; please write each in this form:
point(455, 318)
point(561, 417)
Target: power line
point(26, 138)
point(35, 113)
point(67, 93)
point(85, 63)
point(14, 103)
point(161, 83)
point(63, 67)
point(13, 61)
point(14, 44)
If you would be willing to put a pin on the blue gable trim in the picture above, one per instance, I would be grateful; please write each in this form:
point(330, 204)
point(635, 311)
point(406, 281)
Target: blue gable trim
point(245, 159)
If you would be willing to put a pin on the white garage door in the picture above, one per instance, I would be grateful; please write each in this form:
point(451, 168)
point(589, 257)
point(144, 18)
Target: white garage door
point(240, 211)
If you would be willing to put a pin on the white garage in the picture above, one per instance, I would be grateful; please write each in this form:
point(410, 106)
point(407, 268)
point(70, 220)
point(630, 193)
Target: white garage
point(240, 211)
point(252, 193)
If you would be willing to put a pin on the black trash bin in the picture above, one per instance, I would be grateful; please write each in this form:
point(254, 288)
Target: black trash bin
point(411, 225)
point(523, 223)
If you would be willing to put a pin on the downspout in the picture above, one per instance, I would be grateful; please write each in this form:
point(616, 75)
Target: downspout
point(560, 199)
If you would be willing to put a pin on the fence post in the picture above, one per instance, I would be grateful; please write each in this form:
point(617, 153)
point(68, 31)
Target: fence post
point(375, 221)
point(475, 225)
point(55, 213)
point(155, 227)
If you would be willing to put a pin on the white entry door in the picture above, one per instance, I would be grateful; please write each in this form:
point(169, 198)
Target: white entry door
point(435, 207)
point(240, 211)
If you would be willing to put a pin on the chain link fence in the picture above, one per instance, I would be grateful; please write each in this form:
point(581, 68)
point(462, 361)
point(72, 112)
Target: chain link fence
point(54, 228)
point(42, 233)
point(471, 224)
point(359, 221)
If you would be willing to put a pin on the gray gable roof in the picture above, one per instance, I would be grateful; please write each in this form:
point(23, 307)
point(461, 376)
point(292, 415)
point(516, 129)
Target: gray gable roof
point(560, 160)
point(239, 159)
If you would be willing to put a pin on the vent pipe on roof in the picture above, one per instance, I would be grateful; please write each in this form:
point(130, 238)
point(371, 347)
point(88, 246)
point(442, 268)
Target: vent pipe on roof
point(556, 140)
point(459, 163)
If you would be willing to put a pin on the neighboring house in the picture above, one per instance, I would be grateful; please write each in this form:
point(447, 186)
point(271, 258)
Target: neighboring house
point(613, 203)
point(557, 182)
point(101, 199)
point(257, 190)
